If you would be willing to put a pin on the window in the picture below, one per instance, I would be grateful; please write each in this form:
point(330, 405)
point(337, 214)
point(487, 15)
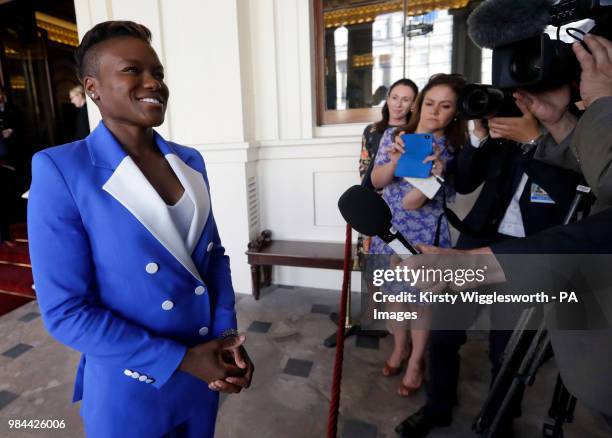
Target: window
point(362, 47)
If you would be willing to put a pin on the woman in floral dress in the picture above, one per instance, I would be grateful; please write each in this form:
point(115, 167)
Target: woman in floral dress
point(418, 218)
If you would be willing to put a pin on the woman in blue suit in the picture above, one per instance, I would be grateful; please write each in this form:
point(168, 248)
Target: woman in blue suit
point(127, 261)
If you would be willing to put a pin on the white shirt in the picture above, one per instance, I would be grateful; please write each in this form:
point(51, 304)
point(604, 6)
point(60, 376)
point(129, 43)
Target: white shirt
point(182, 214)
point(512, 223)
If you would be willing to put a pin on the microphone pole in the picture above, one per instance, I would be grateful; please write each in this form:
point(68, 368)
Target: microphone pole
point(349, 328)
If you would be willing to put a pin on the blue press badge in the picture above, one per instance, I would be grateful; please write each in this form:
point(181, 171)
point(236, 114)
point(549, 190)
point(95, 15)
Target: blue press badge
point(539, 195)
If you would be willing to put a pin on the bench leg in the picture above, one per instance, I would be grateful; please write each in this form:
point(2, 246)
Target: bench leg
point(267, 269)
point(255, 280)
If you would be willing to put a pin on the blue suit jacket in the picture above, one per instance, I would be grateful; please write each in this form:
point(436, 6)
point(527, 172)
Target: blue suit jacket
point(116, 282)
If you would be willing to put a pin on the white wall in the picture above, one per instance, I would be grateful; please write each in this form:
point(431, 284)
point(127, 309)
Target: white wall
point(302, 170)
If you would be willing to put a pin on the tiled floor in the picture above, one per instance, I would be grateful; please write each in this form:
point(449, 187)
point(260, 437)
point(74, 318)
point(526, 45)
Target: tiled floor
point(291, 389)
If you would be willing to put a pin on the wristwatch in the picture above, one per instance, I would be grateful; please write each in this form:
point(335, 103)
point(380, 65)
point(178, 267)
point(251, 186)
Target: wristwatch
point(528, 145)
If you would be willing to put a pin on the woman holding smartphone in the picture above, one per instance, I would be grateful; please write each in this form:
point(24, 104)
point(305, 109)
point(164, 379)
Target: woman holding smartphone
point(415, 216)
point(127, 260)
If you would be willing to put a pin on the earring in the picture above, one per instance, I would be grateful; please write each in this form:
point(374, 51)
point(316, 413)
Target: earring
point(93, 95)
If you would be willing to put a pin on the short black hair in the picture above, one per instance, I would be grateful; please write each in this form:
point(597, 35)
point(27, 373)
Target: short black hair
point(85, 54)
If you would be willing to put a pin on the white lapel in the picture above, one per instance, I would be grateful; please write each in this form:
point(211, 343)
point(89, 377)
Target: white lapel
point(194, 185)
point(129, 186)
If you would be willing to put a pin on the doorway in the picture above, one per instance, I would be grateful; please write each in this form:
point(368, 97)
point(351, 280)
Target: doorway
point(37, 71)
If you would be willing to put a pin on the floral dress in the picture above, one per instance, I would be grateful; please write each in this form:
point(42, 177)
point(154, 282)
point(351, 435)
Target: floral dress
point(417, 226)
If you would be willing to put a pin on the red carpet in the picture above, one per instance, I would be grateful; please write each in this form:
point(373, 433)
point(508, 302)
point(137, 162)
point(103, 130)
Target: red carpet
point(16, 280)
point(11, 302)
point(15, 273)
point(15, 254)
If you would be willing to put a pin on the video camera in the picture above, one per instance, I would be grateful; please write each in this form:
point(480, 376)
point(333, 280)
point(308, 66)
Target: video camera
point(523, 55)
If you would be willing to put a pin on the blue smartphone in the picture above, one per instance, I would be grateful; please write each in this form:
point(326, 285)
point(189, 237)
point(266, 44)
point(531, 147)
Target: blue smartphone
point(417, 147)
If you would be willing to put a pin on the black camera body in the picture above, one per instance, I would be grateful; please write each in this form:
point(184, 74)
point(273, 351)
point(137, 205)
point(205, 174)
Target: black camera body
point(537, 63)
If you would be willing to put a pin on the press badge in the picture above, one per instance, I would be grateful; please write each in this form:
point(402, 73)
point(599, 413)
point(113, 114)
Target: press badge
point(539, 195)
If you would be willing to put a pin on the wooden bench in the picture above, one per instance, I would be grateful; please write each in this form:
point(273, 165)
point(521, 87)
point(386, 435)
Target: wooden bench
point(321, 255)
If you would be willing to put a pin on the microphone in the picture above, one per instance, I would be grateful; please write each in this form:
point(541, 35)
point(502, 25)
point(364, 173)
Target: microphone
point(369, 214)
point(498, 23)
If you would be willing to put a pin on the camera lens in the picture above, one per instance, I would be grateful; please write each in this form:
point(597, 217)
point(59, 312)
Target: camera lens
point(477, 101)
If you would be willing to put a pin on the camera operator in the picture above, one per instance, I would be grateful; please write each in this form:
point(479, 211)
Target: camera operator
point(520, 197)
point(585, 144)
point(583, 357)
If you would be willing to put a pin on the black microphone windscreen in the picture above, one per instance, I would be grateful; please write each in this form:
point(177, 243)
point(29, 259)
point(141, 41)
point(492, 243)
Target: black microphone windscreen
point(500, 22)
point(365, 211)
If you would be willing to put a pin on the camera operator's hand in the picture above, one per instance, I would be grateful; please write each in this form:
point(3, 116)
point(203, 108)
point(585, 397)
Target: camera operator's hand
point(596, 77)
point(520, 129)
point(456, 260)
point(547, 106)
point(551, 109)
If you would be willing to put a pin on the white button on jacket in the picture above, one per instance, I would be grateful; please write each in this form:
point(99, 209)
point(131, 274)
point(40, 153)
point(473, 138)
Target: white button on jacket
point(200, 290)
point(210, 247)
point(203, 331)
point(151, 268)
point(167, 305)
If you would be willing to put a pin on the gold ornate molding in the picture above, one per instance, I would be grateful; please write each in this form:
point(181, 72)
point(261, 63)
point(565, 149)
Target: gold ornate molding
point(363, 60)
point(10, 52)
point(18, 83)
point(365, 14)
point(58, 30)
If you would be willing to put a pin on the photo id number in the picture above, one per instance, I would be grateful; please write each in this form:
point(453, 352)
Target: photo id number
point(37, 424)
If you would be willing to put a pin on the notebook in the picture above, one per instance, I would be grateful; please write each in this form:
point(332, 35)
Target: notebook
point(428, 186)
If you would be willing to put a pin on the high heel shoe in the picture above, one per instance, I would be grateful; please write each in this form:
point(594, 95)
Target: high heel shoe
point(408, 390)
point(390, 371)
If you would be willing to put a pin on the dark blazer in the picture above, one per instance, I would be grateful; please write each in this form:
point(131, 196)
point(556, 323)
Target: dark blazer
point(583, 356)
point(499, 164)
point(81, 129)
point(11, 118)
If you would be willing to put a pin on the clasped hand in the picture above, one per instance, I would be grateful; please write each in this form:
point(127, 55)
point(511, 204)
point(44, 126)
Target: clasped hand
point(222, 363)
